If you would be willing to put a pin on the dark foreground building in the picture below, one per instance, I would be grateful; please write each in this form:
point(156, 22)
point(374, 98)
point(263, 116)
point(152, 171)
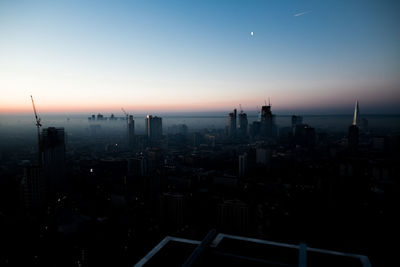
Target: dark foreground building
point(53, 157)
point(231, 250)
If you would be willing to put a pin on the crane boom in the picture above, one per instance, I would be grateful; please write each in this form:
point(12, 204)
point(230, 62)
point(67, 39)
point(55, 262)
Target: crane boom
point(36, 116)
point(126, 114)
point(38, 125)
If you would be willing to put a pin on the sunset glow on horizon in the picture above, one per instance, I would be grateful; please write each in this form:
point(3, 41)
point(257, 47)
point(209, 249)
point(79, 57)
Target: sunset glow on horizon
point(156, 56)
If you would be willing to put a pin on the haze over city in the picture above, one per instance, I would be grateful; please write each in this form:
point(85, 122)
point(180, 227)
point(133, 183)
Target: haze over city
point(315, 57)
point(199, 133)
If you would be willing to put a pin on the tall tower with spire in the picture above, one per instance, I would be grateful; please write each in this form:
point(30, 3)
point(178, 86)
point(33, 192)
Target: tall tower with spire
point(353, 129)
point(356, 116)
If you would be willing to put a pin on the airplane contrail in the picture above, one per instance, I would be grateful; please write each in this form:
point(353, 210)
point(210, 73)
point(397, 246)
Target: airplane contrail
point(301, 13)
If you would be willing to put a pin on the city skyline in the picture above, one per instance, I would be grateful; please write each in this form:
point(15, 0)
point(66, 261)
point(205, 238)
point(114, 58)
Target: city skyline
point(307, 56)
point(199, 133)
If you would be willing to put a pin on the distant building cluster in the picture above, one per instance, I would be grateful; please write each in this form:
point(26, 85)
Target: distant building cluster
point(101, 117)
point(264, 128)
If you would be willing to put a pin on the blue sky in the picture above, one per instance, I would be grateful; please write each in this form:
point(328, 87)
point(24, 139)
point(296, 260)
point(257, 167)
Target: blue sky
point(199, 55)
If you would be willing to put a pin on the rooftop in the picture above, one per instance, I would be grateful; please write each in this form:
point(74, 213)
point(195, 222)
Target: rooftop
point(227, 250)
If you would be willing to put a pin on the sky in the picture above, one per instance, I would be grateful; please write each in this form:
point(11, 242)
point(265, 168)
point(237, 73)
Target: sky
point(180, 56)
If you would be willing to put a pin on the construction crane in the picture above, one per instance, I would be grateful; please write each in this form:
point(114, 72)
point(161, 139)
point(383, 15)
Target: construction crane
point(126, 114)
point(38, 125)
point(127, 117)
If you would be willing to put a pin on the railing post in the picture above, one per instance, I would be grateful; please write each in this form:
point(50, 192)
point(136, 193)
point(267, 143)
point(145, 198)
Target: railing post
point(199, 249)
point(302, 255)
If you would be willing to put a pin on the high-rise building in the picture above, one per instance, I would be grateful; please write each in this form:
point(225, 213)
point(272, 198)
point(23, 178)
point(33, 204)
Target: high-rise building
point(304, 135)
point(265, 127)
point(353, 129)
point(356, 116)
point(153, 127)
point(362, 123)
point(137, 167)
point(242, 125)
point(353, 136)
point(53, 155)
point(268, 127)
point(100, 117)
point(172, 210)
point(131, 132)
point(296, 120)
point(155, 156)
point(33, 187)
point(243, 166)
point(232, 124)
point(233, 216)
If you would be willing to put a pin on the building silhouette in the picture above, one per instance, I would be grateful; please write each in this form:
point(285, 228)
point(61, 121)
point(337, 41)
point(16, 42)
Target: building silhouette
point(296, 120)
point(356, 115)
point(265, 127)
point(131, 132)
point(353, 132)
point(232, 124)
point(137, 167)
point(242, 125)
point(268, 127)
point(33, 187)
point(53, 157)
point(153, 128)
point(233, 216)
point(172, 210)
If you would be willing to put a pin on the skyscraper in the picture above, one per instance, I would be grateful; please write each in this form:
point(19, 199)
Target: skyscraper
point(296, 120)
point(131, 132)
point(33, 187)
point(53, 155)
point(233, 216)
point(353, 129)
point(356, 116)
point(242, 125)
point(153, 127)
point(172, 210)
point(232, 124)
point(266, 127)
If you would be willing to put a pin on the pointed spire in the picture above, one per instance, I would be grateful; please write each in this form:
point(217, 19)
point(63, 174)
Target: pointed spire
point(356, 114)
